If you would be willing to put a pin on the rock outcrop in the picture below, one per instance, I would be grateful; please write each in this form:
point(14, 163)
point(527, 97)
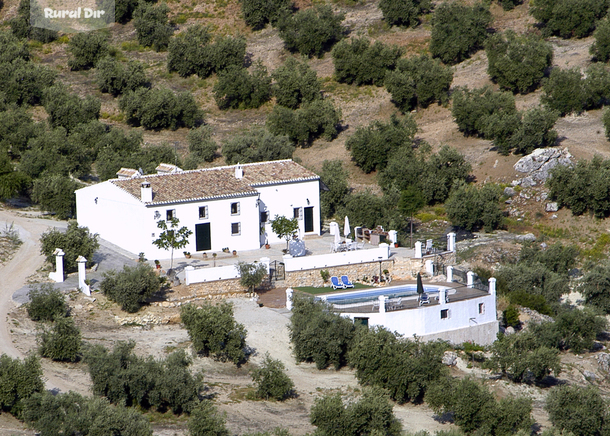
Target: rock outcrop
point(539, 163)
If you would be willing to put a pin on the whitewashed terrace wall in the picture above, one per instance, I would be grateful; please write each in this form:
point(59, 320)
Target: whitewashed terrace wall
point(202, 275)
point(336, 259)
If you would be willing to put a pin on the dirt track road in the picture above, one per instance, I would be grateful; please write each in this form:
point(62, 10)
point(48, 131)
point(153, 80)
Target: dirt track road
point(13, 276)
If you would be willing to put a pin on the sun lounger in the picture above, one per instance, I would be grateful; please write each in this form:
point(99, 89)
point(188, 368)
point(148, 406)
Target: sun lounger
point(346, 282)
point(334, 281)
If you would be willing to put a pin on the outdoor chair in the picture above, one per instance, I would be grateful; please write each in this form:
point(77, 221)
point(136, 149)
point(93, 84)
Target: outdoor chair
point(398, 304)
point(346, 282)
point(424, 299)
point(334, 280)
point(375, 306)
point(359, 245)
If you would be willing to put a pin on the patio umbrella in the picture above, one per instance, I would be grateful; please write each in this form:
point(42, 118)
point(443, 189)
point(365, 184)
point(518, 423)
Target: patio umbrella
point(420, 285)
point(346, 229)
point(337, 237)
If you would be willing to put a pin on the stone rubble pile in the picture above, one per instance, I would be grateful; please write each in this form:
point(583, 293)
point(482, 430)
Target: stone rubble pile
point(539, 163)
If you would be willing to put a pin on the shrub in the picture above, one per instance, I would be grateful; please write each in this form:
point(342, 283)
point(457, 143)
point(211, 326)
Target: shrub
point(16, 129)
point(215, 332)
point(475, 410)
point(201, 146)
point(125, 378)
point(520, 355)
point(335, 177)
point(458, 31)
point(418, 81)
point(596, 86)
point(378, 353)
point(271, 381)
point(432, 174)
point(207, 421)
point(257, 13)
point(257, 145)
point(236, 88)
point(534, 302)
point(371, 414)
point(24, 82)
point(304, 125)
point(582, 187)
point(534, 131)
point(12, 48)
point(131, 287)
point(404, 12)
point(517, 63)
point(19, 380)
point(160, 108)
point(70, 413)
point(576, 409)
point(87, 49)
point(601, 47)
point(557, 257)
point(75, 241)
point(152, 25)
point(47, 303)
point(12, 182)
point(312, 31)
point(564, 91)
point(359, 62)
point(573, 329)
point(569, 18)
point(595, 287)
point(472, 109)
point(372, 210)
point(533, 278)
point(21, 28)
point(55, 193)
point(116, 78)
point(295, 83)
point(62, 342)
point(471, 208)
point(124, 9)
point(192, 53)
point(371, 146)
point(251, 275)
point(508, 5)
point(511, 316)
point(318, 335)
point(69, 110)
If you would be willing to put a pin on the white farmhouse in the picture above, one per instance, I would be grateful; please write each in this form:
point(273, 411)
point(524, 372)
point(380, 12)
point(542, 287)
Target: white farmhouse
point(229, 206)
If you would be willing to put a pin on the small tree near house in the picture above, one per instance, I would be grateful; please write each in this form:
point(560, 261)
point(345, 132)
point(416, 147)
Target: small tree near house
point(251, 274)
point(172, 237)
point(284, 227)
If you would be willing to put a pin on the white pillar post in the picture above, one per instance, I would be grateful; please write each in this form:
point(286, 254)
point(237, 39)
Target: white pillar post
point(449, 273)
point(382, 304)
point(187, 274)
point(418, 250)
point(451, 241)
point(470, 279)
point(289, 292)
point(58, 275)
point(84, 287)
point(442, 296)
point(492, 286)
point(429, 267)
point(266, 261)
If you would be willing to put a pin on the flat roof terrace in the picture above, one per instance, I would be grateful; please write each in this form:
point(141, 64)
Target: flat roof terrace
point(392, 304)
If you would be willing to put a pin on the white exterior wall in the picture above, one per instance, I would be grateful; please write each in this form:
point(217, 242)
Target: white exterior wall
point(283, 198)
point(125, 221)
point(115, 215)
point(425, 321)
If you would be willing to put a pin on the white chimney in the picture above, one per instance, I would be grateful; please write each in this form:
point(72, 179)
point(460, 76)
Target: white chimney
point(239, 171)
point(146, 192)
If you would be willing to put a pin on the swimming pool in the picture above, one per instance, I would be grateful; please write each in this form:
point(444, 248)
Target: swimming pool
point(349, 297)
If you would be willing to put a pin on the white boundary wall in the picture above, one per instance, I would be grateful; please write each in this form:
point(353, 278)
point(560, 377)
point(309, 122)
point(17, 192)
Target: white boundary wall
point(200, 275)
point(336, 259)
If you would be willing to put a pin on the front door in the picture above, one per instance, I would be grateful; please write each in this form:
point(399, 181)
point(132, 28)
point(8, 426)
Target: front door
point(203, 240)
point(309, 219)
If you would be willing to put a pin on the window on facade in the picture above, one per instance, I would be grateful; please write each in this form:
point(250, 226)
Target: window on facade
point(235, 208)
point(481, 308)
point(235, 228)
point(297, 213)
point(444, 313)
point(170, 214)
point(203, 212)
point(264, 217)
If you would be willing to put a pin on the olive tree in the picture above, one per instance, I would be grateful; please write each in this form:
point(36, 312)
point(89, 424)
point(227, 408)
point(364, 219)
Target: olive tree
point(47, 303)
point(251, 274)
point(214, 331)
point(87, 48)
point(473, 208)
point(257, 13)
point(579, 410)
point(257, 145)
point(601, 47)
point(404, 12)
point(458, 31)
point(152, 25)
point(568, 18)
point(295, 83)
point(271, 380)
point(517, 63)
point(68, 110)
point(202, 148)
point(238, 89)
point(62, 341)
point(131, 287)
point(20, 379)
point(115, 78)
point(75, 241)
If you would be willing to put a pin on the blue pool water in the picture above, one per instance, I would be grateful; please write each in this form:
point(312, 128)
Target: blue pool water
point(373, 294)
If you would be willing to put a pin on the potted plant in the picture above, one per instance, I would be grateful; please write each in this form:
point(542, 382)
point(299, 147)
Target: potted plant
point(157, 264)
point(187, 254)
point(214, 256)
point(205, 255)
point(234, 252)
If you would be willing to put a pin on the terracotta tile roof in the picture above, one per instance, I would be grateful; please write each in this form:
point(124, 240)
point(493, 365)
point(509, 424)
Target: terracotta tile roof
point(212, 183)
point(127, 173)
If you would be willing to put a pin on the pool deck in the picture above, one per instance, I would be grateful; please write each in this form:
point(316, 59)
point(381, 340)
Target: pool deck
point(411, 302)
